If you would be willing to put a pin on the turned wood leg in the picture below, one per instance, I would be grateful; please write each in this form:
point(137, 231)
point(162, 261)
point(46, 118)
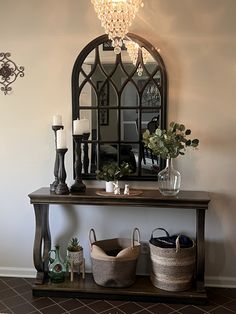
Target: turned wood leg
point(83, 269)
point(200, 232)
point(42, 241)
point(72, 271)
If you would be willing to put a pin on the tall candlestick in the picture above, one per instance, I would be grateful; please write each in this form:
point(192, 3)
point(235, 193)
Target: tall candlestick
point(56, 164)
point(57, 120)
point(80, 126)
point(86, 157)
point(61, 139)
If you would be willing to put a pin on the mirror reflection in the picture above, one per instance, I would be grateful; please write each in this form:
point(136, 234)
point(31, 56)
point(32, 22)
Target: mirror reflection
point(121, 95)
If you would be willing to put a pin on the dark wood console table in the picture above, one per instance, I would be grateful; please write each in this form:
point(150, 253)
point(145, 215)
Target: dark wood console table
point(142, 289)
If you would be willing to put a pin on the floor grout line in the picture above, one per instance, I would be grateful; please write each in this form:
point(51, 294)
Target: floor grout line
point(227, 308)
point(21, 287)
point(21, 295)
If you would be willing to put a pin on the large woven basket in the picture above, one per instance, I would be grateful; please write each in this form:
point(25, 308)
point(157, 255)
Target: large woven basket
point(114, 260)
point(172, 269)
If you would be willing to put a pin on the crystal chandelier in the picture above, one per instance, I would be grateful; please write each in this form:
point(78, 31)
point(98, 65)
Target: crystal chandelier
point(116, 17)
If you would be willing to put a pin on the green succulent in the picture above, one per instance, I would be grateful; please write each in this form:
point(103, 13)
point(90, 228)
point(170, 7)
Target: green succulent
point(113, 172)
point(74, 245)
point(169, 143)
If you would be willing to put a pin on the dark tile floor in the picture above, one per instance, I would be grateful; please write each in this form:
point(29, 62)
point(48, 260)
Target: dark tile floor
point(16, 297)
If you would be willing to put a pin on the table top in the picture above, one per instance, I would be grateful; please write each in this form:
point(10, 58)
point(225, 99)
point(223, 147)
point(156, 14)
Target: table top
point(148, 198)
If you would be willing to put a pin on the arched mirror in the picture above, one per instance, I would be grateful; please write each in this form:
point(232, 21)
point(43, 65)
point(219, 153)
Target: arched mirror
point(121, 95)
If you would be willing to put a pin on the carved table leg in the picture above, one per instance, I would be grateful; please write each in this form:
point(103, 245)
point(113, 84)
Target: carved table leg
point(200, 232)
point(42, 241)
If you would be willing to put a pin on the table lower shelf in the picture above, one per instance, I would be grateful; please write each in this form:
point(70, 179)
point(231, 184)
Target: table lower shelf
point(141, 290)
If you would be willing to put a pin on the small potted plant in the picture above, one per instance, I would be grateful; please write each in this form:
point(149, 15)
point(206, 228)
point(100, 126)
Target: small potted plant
point(169, 144)
point(75, 255)
point(112, 172)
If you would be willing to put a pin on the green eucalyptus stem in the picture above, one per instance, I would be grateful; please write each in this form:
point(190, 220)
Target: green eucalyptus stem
point(169, 143)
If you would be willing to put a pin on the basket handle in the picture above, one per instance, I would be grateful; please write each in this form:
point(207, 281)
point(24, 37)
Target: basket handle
point(92, 234)
point(177, 242)
point(167, 233)
point(137, 233)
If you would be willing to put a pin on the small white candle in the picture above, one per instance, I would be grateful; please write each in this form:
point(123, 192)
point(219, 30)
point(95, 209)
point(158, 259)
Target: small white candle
point(61, 139)
point(57, 120)
point(81, 126)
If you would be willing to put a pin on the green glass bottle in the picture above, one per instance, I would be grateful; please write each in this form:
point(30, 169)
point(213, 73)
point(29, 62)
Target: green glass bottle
point(57, 268)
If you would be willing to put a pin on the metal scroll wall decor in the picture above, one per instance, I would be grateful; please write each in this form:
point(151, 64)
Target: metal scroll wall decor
point(9, 72)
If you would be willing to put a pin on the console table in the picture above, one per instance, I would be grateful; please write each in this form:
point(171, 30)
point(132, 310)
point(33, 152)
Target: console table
point(142, 289)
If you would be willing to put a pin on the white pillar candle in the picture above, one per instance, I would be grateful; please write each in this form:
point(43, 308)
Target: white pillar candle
point(57, 120)
point(61, 139)
point(86, 126)
point(81, 126)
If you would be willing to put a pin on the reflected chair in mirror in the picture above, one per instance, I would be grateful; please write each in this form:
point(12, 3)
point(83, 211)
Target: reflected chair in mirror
point(143, 149)
point(146, 152)
point(152, 126)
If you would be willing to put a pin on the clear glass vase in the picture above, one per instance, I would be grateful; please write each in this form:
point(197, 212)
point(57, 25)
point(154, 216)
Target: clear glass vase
point(169, 179)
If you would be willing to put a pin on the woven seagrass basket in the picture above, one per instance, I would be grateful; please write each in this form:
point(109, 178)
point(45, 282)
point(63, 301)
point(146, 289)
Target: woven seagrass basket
point(172, 269)
point(114, 260)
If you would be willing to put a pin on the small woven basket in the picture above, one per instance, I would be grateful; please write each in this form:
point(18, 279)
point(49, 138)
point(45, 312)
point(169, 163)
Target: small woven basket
point(114, 260)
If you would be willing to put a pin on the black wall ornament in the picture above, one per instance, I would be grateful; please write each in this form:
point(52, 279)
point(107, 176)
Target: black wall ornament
point(9, 72)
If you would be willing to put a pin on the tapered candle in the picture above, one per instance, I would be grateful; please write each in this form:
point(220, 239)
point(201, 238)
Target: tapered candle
point(61, 139)
point(80, 126)
point(57, 120)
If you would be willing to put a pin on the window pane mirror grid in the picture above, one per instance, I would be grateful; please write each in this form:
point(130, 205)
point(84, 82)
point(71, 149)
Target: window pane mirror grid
point(109, 90)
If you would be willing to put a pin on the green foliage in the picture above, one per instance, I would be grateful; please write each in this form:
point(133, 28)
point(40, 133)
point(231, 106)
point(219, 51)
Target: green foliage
point(74, 245)
point(112, 172)
point(169, 143)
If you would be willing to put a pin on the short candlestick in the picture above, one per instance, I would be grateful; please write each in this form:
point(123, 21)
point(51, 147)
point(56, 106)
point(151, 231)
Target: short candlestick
point(78, 185)
point(56, 164)
point(62, 187)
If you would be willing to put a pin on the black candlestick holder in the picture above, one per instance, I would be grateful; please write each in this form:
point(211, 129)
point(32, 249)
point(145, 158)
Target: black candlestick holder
point(56, 164)
point(62, 187)
point(86, 158)
point(78, 185)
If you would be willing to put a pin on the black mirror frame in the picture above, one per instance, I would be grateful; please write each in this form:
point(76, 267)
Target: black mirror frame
point(75, 93)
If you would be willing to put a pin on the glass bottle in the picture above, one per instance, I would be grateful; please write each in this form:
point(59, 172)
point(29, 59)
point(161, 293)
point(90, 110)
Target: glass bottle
point(57, 268)
point(169, 179)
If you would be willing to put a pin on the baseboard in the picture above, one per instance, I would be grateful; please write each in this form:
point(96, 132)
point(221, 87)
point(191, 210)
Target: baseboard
point(17, 272)
point(210, 281)
point(221, 282)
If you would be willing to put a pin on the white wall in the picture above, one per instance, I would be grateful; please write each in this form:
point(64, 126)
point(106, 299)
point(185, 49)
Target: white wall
point(197, 42)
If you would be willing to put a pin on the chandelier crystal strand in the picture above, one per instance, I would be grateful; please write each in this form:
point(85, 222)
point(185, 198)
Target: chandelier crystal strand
point(116, 17)
point(132, 49)
point(145, 55)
